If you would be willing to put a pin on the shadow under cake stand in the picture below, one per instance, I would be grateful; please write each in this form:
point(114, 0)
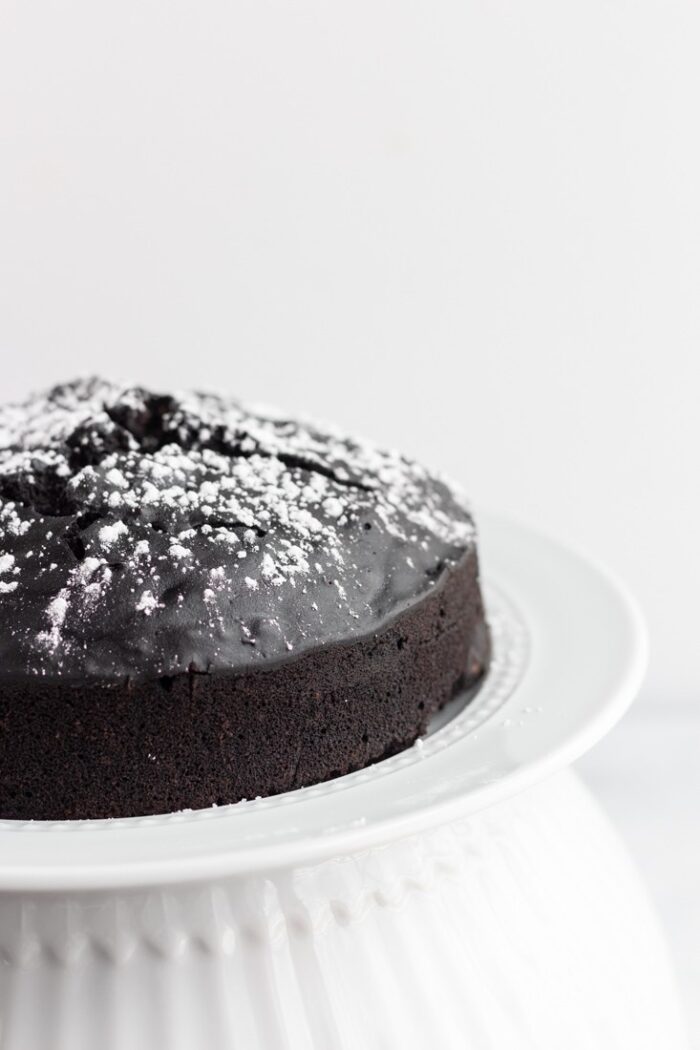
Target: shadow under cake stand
point(467, 893)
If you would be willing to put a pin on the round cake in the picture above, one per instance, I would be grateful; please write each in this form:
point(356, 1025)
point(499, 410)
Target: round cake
point(202, 603)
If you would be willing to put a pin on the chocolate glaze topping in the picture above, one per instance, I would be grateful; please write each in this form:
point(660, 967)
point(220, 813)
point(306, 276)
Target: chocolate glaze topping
point(146, 535)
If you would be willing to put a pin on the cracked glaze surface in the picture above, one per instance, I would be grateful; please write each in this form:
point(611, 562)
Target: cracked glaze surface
point(146, 535)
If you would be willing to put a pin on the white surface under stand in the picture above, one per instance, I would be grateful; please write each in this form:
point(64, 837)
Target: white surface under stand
point(466, 894)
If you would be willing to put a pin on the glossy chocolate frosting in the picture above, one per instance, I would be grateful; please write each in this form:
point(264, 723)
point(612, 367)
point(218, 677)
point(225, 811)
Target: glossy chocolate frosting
point(146, 535)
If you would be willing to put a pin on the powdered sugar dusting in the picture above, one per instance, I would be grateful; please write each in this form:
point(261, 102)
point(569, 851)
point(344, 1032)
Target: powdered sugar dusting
point(6, 562)
point(119, 503)
point(147, 603)
point(109, 534)
point(56, 615)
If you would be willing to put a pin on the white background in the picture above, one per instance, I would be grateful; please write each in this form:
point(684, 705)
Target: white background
point(469, 229)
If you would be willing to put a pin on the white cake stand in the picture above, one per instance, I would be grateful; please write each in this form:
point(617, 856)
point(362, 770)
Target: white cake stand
point(467, 893)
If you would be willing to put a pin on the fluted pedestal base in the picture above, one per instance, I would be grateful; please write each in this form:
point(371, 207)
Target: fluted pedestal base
point(521, 926)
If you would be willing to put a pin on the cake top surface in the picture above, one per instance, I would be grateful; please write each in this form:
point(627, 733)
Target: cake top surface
point(146, 534)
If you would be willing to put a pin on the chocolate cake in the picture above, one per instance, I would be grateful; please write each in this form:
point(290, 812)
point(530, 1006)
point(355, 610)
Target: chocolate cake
point(201, 603)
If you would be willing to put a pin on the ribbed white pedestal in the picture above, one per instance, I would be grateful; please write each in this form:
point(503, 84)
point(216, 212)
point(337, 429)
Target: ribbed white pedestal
point(466, 895)
point(523, 926)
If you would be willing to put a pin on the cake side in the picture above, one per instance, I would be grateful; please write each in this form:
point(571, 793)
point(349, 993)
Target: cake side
point(197, 740)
